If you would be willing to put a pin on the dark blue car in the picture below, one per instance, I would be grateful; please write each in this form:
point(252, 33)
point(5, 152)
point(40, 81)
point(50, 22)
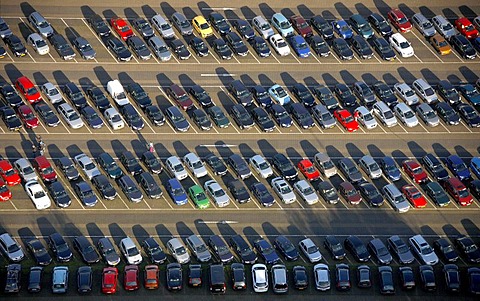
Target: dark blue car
point(390, 169)
point(458, 167)
point(176, 192)
point(266, 251)
point(286, 247)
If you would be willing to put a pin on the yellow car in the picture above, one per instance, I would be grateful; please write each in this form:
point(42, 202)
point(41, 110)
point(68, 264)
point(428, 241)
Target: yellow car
point(202, 27)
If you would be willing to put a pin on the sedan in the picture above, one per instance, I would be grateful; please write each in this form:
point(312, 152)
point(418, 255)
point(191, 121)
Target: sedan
point(261, 166)
point(261, 117)
point(11, 120)
point(342, 49)
point(222, 49)
point(174, 277)
point(303, 95)
point(87, 165)
point(286, 248)
point(216, 192)
point(84, 279)
point(38, 195)
point(427, 277)
point(16, 45)
point(262, 194)
point(380, 251)
point(131, 281)
point(468, 248)
point(153, 250)
point(342, 29)
point(386, 280)
point(452, 277)
point(414, 196)
point(384, 49)
point(85, 193)
point(279, 94)
point(84, 47)
point(179, 49)
point(199, 46)
point(279, 113)
point(364, 276)
point(469, 115)
point(47, 114)
point(342, 277)
point(321, 273)
point(283, 190)
point(307, 168)
point(306, 192)
point(39, 252)
point(266, 251)
point(59, 247)
point(279, 44)
point(357, 248)
point(413, 169)
point(428, 115)
point(445, 249)
point(92, 118)
point(346, 119)
point(86, 250)
point(300, 277)
point(260, 46)
point(109, 280)
point(28, 116)
point(333, 245)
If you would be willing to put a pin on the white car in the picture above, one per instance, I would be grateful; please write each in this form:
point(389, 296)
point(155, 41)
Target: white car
point(195, 165)
point(401, 45)
point(114, 119)
point(52, 92)
point(70, 116)
point(87, 165)
point(283, 190)
point(279, 44)
point(310, 250)
point(260, 278)
point(217, 193)
point(406, 115)
point(25, 169)
point(321, 273)
point(38, 195)
point(130, 251)
point(384, 113)
point(176, 168)
point(306, 192)
point(38, 43)
point(406, 93)
point(261, 166)
point(365, 117)
point(178, 250)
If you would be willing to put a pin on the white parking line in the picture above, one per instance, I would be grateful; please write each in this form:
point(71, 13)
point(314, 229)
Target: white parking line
point(8, 54)
point(418, 58)
point(466, 126)
point(293, 54)
point(441, 123)
point(275, 58)
point(52, 57)
point(120, 197)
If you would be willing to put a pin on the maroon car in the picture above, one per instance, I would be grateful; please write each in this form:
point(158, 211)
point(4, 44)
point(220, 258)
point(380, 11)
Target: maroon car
point(349, 193)
point(301, 26)
point(179, 96)
point(413, 169)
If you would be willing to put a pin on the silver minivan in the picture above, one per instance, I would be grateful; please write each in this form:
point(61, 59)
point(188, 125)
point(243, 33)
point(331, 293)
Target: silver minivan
point(423, 25)
point(159, 48)
point(395, 198)
point(40, 24)
point(182, 24)
point(370, 167)
point(325, 164)
point(425, 91)
point(163, 27)
point(199, 248)
point(263, 27)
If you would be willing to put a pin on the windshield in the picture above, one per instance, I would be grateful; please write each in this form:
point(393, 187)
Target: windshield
point(184, 24)
point(39, 194)
point(178, 192)
point(165, 26)
point(219, 193)
point(264, 26)
point(132, 252)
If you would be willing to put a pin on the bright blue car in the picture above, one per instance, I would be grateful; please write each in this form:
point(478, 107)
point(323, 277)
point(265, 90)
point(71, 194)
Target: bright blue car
point(300, 46)
point(342, 28)
point(458, 167)
point(176, 192)
point(279, 94)
point(475, 166)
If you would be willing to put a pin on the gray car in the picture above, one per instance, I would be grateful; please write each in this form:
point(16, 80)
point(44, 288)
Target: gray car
point(182, 24)
point(325, 164)
point(444, 27)
point(138, 46)
point(379, 251)
point(4, 29)
point(40, 24)
point(25, 169)
point(323, 116)
point(10, 248)
point(142, 26)
point(400, 249)
point(160, 49)
point(52, 92)
point(85, 49)
point(428, 115)
point(349, 170)
point(163, 27)
point(406, 93)
point(107, 250)
point(423, 25)
point(306, 192)
point(199, 248)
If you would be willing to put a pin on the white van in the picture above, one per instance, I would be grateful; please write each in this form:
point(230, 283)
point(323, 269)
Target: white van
point(116, 91)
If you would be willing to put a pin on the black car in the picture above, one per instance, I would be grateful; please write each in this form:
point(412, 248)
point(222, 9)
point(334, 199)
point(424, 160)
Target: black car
point(244, 28)
point(370, 194)
point(10, 95)
point(303, 95)
point(236, 43)
point(345, 95)
point(445, 249)
point(215, 164)
point(74, 94)
point(380, 24)
point(328, 192)
point(342, 49)
point(174, 277)
point(92, 118)
point(361, 47)
point(199, 46)
point(385, 274)
point(132, 117)
point(385, 94)
point(177, 119)
point(84, 48)
point(447, 113)
point(241, 116)
point(201, 96)
point(357, 248)
point(474, 187)
point(286, 248)
point(279, 113)
point(151, 162)
point(222, 49)
point(59, 247)
point(463, 46)
point(15, 45)
point(364, 278)
point(318, 44)
point(139, 47)
point(407, 278)
point(322, 26)
point(240, 93)
point(262, 194)
point(217, 279)
point(85, 193)
point(62, 47)
point(301, 115)
point(238, 276)
point(384, 49)
point(427, 278)
point(350, 170)
point(468, 248)
point(84, 279)
point(35, 279)
point(239, 166)
point(260, 46)
point(149, 185)
point(238, 191)
point(47, 114)
point(266, 251)
point(153, 250)
point(131, 163)
point(448, 92)
point(108, 164)
point(474, 280)
point(13, 280)
point(243, 249)
point(201, 119)
point(100, 101)
point(104, 187)
point(59, 194)
point(300, 277)
point(325, 96)
point(194, 275)
point(471, 95)
point(155, 115)
point(433, 165)
point(179, 49)
point(284, 166)
point(220, 249)
point(452, 277)
point(333, 245)
point(142, 26)
point(86, 250)
point(99, 25)
point(262, 119)
point(435, 191)
point(469, 115)
point(119, 49)
point(342, 277)
point(139, 95)
point(219, 23)
point(11, 119)
point(39, 252)
point(261, 96)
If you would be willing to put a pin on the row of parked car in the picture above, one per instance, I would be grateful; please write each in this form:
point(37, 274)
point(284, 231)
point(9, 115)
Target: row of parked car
point(382, 253)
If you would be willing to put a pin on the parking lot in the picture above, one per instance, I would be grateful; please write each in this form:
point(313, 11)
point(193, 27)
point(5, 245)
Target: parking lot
point(161, 218)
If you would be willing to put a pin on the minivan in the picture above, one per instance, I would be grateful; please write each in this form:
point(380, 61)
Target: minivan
point(423, 25)
point(396, 198)
point(45, 169)
point(263, 27)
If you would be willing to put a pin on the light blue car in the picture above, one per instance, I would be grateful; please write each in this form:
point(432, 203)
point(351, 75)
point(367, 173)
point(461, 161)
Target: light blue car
point(300, 46)
point(282, 24)
point(279, 94)
point(342, 28)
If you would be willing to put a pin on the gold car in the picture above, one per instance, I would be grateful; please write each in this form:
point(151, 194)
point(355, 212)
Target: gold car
point(202, 27)
point(440, 44)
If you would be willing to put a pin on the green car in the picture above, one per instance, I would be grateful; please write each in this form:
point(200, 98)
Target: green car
point(199, 197)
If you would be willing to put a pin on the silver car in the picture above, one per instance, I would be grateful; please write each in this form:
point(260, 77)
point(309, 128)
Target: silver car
point(365, 117)
point(261, 166)
point(423, 250)
point(40, 24)
point(406, 93)
point(263, 27)
point(199, 248)
point(178, 251)
point(163, 27)
point(182, 24)
point(283, 190)
point(217, 193)
point(406, 115)
point(52, 92)
point(310, 250)
point(444, 27)
point(114, 118)
point(196, 166)
point(425, 91)
point(70, 116)
point(428, 115)
point(306, 192)
point(25, 169)
point(176, 168)
point(160, 49)
point(370, 167)
point(87, 165)
point(38, 43)
point(10, 248)
point(323, 116)
point(321, 272)
point(423, 25)
point(384, 113)
point(325, 164)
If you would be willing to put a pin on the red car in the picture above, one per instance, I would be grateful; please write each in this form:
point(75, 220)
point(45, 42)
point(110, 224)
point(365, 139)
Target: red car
point(399, 20)
point(9, 175)
point(346, 120)
point(109, 280)
point(308, 170)
point(28, 89)
point(122, 28)
point(458, 191)
point(151, 276)
point(27, 116)
point(414, 196)
point(45, 169)
point(179, 96)
point(130, 278)
point(466, 28)
point(414, 171)
point(349, 193)
point(301, 26)
point(5, 193)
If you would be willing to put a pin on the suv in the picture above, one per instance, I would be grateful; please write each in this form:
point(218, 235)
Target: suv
point(131, 163)
point(40, 24)
point(279, 279)
point(458, 191)
point(263, 27)
point(240, 92)
point(60, 280)
point(423, 250)
point(180, 96)
point(218, 284)
point(62, 47)
point(198, 248)
point(435, 167)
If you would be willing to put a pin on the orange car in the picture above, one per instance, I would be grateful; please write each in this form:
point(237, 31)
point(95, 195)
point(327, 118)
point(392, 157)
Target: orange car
point(151, 277)
point(440, 44)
